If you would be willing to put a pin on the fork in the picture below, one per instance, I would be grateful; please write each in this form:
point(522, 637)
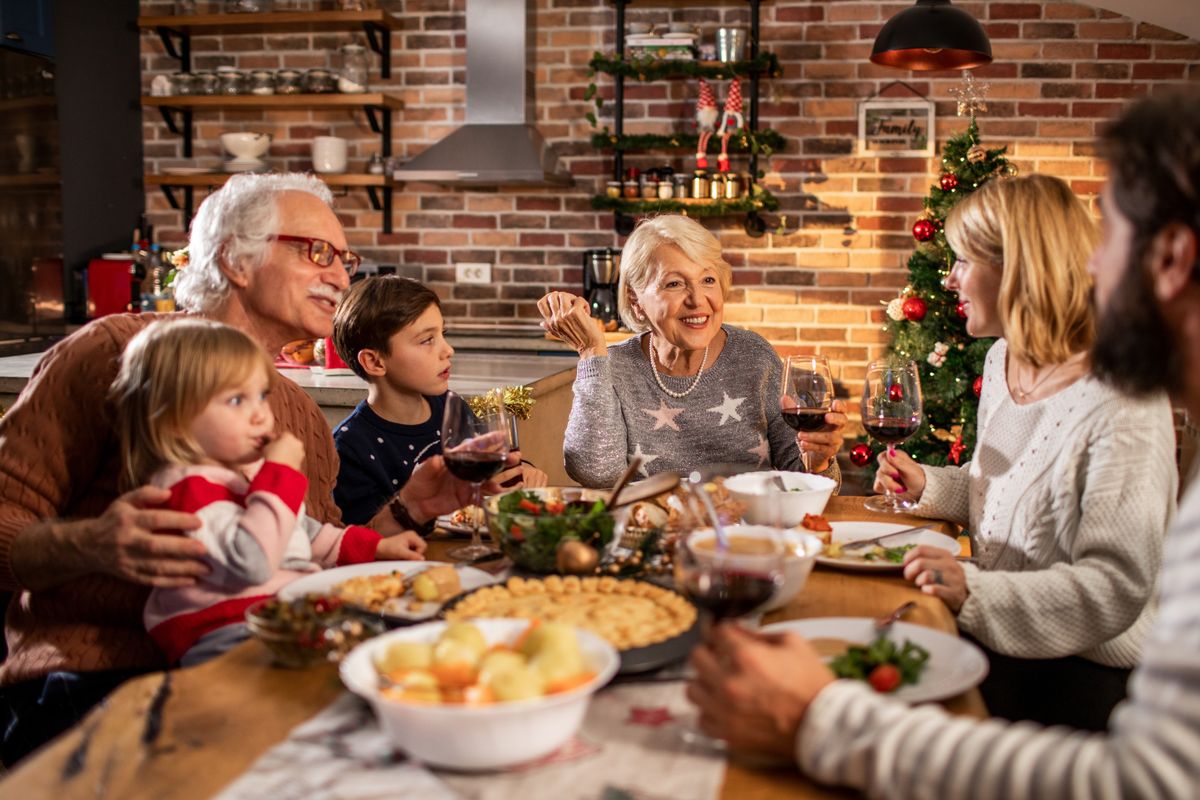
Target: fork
point(883, 623)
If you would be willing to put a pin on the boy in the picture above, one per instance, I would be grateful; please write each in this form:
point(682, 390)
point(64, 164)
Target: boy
point(390, 331)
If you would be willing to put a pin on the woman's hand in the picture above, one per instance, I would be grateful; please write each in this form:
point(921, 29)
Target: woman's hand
point(432, 489)
point(522, 476)
point(406, 546)
point(568, 317)
point(819, 448)
point(901, 475)
point(752, 689)
point(936, 572)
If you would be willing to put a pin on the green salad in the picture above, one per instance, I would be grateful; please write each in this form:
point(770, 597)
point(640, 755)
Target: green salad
point(884, 664)
point(895, 555)
point(530, 527)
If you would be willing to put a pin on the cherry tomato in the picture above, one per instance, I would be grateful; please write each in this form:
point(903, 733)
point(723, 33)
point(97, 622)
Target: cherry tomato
point(884, 678)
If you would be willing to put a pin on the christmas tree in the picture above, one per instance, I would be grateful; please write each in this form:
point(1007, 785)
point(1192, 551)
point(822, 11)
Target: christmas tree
point(926, 321)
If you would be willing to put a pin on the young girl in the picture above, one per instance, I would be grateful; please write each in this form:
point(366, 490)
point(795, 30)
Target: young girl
point(193, 416)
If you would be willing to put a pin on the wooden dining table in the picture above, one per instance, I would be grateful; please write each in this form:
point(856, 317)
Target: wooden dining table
point(188, 733)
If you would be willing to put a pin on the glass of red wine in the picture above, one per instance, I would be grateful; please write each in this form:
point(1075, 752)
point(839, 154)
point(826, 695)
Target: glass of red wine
point(474, 449)
point(807, 396)
point(891, 413)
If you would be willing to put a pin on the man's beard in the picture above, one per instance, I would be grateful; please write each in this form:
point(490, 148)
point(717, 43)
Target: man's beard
point(1134, 350)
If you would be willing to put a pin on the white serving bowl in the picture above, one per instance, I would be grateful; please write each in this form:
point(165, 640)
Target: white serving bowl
point(246, 145)
point(478, 737)
point(767, 504)
point(803, 549)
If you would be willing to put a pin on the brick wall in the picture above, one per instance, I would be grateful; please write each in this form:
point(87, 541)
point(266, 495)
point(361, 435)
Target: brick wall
point(1061, 69)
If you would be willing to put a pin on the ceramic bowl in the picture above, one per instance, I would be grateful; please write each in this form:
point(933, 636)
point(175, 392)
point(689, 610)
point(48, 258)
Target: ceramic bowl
point(478, 737)
point(245, 146)
point(802, 551)
point(767, 504)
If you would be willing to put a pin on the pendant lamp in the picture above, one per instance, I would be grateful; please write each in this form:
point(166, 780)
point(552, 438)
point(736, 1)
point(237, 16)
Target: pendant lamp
point(932, 35)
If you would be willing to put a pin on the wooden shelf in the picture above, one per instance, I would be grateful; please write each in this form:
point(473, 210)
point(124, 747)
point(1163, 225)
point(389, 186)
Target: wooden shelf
point(310, 101)
point(15, 103)
point(274, 20)
point(35, 179)
point(219, 178)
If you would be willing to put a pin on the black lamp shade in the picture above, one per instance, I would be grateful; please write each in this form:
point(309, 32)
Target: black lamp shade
point(932, 35)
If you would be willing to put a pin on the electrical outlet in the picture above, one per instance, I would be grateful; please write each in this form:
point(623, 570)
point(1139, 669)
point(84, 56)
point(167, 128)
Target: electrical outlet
point(468, 272)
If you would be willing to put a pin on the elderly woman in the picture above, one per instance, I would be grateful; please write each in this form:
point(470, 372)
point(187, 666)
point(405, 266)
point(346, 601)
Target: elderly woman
point(1072, 483)
point(689, 390)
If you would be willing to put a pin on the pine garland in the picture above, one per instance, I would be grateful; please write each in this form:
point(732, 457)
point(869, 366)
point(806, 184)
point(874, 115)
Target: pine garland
point(948, 432)
point(761, 200)
point(764, 142)
point(648, 68)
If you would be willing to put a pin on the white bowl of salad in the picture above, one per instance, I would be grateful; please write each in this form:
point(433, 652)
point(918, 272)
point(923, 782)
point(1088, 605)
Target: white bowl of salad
point(530, 524)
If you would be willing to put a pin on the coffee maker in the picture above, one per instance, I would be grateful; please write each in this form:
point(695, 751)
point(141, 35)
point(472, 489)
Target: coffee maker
point(601, 268)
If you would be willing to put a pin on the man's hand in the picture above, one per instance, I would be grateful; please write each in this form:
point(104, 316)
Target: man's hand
point(122, 542)
point(752, 689)
point(406, 546)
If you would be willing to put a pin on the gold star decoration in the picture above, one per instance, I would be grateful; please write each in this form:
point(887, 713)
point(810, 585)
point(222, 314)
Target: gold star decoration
point(971, 95)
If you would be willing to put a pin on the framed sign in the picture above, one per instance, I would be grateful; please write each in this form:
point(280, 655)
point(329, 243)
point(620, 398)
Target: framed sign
point(895, 127)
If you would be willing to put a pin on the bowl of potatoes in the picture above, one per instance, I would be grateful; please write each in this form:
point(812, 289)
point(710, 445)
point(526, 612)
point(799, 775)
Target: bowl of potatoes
point(480, 695)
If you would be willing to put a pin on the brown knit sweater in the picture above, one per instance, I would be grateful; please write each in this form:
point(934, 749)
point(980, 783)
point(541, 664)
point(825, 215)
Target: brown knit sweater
point(60, 459)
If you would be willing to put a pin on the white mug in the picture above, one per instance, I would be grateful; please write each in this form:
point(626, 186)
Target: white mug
point(329, 154)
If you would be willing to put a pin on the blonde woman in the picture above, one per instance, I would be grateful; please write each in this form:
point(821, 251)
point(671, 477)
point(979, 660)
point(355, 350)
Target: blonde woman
point(688, 390)
point(1072, 484)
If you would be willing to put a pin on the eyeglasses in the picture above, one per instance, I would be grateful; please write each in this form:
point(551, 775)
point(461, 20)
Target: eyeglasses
point(322, 253)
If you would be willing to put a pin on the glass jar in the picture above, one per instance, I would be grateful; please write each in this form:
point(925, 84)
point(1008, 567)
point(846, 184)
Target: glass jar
point(205, 82)
point(681, 186)
point(700, 183)
point(354, 67)
point(183, 83)
point(716, 186)
point(649, 187)
point(319, 81)
point(262, 81)
point(247, 6)
point(231, 81)
point(666, 190)
point(375, 164)
point(288, 81)
point(733, 186)
point(612, 189)
point(352, 5)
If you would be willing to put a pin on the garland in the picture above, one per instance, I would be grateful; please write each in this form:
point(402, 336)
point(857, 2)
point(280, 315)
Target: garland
point(761, 201)
point(648, 68)
point(764, 142)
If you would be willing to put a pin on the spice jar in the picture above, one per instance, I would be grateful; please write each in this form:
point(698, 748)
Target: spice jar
point(681, 186)
point(230, 81)
point(183, 83)
point(716, 186)
point(288, 81)
point(247, 6)
point(319, 81)
point(632, 192)
point(262, 81)
point(612, 189)
point(700, 184)
point(649, 186)
point(665, 189)
point(205, 82)
point(354, 67)
point(733, 186)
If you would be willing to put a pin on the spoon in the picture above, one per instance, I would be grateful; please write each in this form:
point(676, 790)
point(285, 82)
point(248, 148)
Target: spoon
point(635, 464)
point(657, 484)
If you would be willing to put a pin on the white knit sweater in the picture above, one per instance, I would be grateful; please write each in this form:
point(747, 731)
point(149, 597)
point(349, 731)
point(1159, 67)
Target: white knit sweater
point(1067, 500)
point(852, 736)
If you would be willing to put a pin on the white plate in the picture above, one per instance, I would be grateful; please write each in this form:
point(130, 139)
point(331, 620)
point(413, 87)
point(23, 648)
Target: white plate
point(954, 666)
point(446, 522)
point(678, 35)
point(324, 581)
point(853, 531)
point(187, 171)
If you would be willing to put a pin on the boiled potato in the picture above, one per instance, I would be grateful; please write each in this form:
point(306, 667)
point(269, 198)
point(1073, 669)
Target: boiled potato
point(557, 663)
point(424, 589)
point(549, 635)
point(454, 651)
point(499, 661)
point(405, 655)
point(467, 634)
point(417, 685)
point(519, 683)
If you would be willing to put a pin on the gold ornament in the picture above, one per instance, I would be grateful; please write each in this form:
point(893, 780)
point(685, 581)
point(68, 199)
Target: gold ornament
point(573, 557)
point(976, 154)
point(518, 401)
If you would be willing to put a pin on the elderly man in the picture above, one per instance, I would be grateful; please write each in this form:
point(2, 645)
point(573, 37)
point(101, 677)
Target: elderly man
point(268, 256)
point(774, 694)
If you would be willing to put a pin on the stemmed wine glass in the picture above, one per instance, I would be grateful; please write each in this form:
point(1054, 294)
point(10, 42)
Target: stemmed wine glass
point(474, 449)
point(807, 395)
point(891, 413)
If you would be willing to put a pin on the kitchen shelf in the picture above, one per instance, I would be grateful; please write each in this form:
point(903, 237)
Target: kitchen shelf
point(379, 189)
point(649, 68)
point(762, 200)
point(17, 103)
point(35, 179)
point(176, 30)
point(764, 141)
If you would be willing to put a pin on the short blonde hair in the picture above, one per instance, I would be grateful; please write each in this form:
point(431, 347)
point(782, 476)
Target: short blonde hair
point(1041, 236)
point(640, 261)
point(169, 373)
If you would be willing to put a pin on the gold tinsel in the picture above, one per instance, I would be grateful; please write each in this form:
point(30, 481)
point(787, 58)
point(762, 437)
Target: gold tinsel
point(518, 401)
point(948, 436)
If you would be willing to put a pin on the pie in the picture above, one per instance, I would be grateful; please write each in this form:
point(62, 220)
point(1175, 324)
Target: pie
point(627, 613)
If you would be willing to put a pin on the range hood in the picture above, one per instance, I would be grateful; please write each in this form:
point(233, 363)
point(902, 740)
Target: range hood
point(498, 144)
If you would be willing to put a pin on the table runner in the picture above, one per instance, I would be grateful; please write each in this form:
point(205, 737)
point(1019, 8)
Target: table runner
point(629, 747)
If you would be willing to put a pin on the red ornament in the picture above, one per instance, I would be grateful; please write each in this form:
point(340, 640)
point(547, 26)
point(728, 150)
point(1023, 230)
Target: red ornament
point(860, 455)
point(914, 309)
point(895, 393)
point(961, 310)
point(948, 181)
point(977, 386)
point(957, 449)
point(923, 230)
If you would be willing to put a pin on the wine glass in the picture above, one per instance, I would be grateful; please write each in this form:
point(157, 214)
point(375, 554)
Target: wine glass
point(891, 413)
point(474, 449)
point(807, 396)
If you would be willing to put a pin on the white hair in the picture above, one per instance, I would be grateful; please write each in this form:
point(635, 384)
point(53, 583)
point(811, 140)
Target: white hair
point(236, 223)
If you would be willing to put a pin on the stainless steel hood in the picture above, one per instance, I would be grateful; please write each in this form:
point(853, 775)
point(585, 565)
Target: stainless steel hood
point(498, 144)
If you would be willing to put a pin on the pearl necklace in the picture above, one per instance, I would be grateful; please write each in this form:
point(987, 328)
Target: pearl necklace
point(658, 378)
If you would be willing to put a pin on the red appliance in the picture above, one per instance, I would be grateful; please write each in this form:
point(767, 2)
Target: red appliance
point(109, 286)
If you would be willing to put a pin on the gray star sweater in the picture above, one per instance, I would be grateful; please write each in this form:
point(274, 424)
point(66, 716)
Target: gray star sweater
point(732, 416)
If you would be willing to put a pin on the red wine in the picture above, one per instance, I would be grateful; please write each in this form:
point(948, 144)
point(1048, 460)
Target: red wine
point(891, 430)
point(805, 419)
point(729, 594)
point(474, 467)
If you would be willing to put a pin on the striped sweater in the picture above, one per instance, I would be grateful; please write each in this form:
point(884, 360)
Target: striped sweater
point(258, 538)
point(852, 736)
